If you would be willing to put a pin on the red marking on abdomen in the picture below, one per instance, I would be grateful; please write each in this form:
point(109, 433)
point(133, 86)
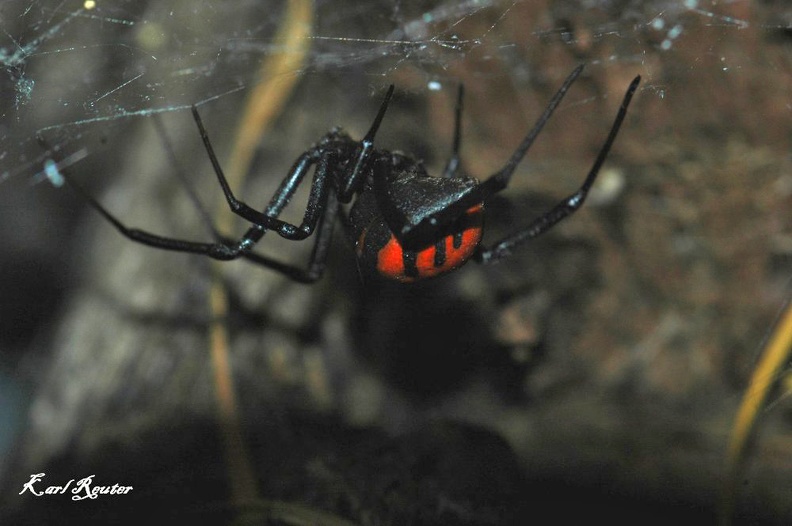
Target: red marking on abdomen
point(390, 259)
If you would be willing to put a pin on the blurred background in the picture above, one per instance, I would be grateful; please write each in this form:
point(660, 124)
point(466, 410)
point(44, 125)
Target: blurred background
point(596, 373)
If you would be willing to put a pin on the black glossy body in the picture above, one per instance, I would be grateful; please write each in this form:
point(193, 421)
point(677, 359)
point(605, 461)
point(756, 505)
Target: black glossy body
point(396, 209)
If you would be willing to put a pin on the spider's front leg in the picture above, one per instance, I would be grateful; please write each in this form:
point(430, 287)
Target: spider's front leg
point(318, 259)
point(323, 212)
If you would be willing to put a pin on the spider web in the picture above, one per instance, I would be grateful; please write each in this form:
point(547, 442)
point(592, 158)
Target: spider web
point(71, 67)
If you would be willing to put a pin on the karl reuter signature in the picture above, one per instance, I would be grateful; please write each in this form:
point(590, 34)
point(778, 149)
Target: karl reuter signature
point(83, 488)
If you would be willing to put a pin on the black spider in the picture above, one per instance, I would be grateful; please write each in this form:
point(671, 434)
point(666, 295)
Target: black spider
point(405, 224)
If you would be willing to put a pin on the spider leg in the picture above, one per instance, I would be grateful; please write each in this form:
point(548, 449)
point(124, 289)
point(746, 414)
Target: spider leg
point(358, 173)
point(215, 250)
point(268, 219)
point(318, 259)
point(203, 212)
point(222, 251)
point(567, 206)
point(500, 179)
point(319, 189)
point(225, 249)
point(496, 182)
point(453, 162)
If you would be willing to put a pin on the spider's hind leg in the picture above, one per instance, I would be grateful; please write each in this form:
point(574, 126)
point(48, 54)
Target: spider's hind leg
point(452, 166)
point(426, 227)
point(569, 205)
point(499, 180)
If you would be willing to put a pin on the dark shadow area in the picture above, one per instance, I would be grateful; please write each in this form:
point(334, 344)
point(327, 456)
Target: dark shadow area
point(443, 474)
point(423, 339)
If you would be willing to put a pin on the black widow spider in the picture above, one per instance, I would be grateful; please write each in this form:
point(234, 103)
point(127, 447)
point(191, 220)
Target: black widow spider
point(405, 224)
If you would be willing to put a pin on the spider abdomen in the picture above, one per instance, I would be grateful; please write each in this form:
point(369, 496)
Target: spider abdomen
point(378, 249)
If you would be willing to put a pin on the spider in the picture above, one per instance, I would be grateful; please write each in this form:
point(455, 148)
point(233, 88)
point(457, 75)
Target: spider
point(405, 224)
